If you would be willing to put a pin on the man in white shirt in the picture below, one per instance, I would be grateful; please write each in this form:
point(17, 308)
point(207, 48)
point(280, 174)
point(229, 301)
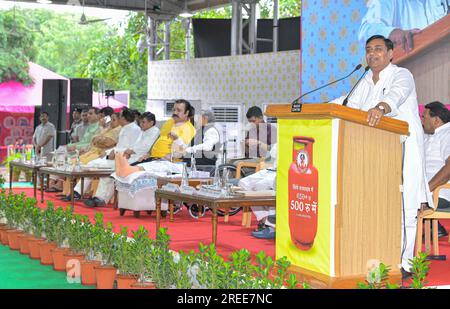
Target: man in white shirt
point(44, 137)
point(149, 134)
point(388, 90)
point(135, 142)
point(436, 124)
point(207, 148)
point(263, 180)
point(80, 129)
point(127, 137)
point(400, 20)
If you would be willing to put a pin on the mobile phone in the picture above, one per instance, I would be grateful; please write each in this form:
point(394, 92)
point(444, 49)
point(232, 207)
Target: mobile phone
point(107, 119)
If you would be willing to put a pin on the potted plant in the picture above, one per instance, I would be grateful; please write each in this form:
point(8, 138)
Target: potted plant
point(18, 215)
point(27, 226)
point(160, 263)
point(126, 260)
point(75, 236)
point(105, 274)
point(37, 227)
point(14, 214)
point(62, 220)
point(49, 219)
point(89, 249)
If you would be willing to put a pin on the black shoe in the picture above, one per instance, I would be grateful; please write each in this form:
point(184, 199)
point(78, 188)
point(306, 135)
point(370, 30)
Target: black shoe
point(76, 197)
point(405, 274)
point(261, 226)
point(99, 202)
point(90, 202)
point(441, 231)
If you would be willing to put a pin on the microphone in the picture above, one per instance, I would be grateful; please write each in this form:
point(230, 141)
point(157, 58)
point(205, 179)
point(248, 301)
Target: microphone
point(296, 101)
point(354, 87)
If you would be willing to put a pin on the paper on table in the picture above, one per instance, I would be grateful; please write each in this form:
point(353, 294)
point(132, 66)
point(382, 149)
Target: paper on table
point(257, 193)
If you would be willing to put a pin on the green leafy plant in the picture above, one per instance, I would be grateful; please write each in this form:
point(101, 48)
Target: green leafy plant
point(49, 219)
point(419, 268)
point(105, 239)
point(61, 221)
point(377, 278)
point(37, 222)
point(127, 256)
point(76, 233)
point(160, 261)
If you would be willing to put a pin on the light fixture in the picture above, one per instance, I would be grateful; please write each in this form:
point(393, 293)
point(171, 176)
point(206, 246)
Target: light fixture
point(185, 13)
point(44, 1)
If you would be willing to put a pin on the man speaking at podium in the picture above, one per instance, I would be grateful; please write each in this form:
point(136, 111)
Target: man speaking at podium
point(388, 90)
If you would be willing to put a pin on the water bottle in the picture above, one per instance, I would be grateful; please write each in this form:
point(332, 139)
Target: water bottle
point(184, 176)
point(77, 161)
point(22, 154)
point(193, 166)
point(33, 156)
point(216, 182)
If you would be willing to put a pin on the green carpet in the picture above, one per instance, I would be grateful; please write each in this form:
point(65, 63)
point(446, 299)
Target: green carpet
point(18, 271)
point(21, 184)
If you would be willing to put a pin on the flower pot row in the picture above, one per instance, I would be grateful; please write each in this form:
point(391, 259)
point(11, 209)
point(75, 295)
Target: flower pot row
point(63, 259)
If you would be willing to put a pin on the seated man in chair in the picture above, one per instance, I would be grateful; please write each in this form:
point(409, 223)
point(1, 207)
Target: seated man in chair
point(178, 131)
point(263, 180)
point(207, 148)
point(258, 139)
point(436, 125)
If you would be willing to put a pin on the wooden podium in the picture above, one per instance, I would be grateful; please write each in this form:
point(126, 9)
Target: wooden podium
point(359, 193)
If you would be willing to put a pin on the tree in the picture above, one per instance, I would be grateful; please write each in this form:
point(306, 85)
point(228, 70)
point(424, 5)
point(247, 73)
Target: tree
point(116, 61)
point(16, 47)
point(63, 43)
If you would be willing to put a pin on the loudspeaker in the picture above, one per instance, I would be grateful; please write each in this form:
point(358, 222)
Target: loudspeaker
point(37, 113)
point(54, 102)
point(80, 93)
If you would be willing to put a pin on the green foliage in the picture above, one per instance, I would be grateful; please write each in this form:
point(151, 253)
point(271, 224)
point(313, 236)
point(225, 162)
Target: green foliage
point(420, 267)
point(376, 278)
point(160, 261)
point(63, 43)
point(49, 219)
point(126, 259)
point(16, 47)
point(105, 240)
point(116, 60)
point(76, 233)
point(151, 259)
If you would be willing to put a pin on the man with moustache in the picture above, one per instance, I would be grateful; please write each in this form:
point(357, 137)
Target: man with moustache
point(388, 90)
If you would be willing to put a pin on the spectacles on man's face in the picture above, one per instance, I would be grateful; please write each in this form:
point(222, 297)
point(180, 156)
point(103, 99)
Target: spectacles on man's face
point(376, 49)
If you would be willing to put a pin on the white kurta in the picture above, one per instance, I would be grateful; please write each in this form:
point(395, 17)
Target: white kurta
point(396, 88)
point(144, 143)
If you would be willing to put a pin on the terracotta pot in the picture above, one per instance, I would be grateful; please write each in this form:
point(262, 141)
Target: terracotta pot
point(24, 241)
point(105, 276)
point(88, 272)
point(4, 235)
point(125, 281)
point(13, 241)
point(143, 285)
point(46, 253)
point(73, 260)
point(34, 247)
point(59, 261)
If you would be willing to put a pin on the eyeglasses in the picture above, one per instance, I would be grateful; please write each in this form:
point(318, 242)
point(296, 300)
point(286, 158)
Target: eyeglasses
point(377, 49)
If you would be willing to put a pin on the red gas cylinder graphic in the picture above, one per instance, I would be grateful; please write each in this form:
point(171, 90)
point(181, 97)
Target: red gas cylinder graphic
point(303, 180)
